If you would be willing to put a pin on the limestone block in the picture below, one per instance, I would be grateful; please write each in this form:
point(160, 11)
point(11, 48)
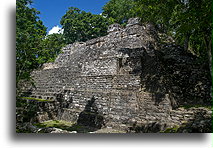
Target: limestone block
point(114, 28)
point(133, 21)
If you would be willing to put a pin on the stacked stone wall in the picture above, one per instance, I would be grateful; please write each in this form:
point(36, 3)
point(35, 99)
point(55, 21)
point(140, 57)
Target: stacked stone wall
point(122, 79)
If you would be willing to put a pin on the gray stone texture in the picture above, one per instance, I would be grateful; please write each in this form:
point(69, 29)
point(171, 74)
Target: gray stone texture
point(129, 77)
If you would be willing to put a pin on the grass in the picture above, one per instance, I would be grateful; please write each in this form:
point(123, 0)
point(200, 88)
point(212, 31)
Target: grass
point(64, 125)
point(55, 123)
point(37, 99)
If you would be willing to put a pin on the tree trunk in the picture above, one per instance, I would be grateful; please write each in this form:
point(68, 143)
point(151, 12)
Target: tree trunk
point(186, 42)
point(209, 49)
point(208, 44)
point(210, 63)
point(210, 55)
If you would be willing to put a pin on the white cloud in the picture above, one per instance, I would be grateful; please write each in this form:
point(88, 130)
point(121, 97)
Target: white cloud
point(56, 29)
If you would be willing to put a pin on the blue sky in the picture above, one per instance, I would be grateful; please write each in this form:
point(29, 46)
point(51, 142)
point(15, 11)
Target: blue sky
point(53, 10)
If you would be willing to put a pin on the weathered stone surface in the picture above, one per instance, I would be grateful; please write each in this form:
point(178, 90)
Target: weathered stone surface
point(131, 77)
point(114, 28)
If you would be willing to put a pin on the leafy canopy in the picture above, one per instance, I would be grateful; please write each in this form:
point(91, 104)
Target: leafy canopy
point(119, 11)
point(30, 32)
point(52, 45)
point(187, 21)
point(81, 26)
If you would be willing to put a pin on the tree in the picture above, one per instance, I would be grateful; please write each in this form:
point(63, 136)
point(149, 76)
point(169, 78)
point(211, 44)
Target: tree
point(119, 11)
point(30, 32)
point(192, 20)
point(187, 21)
point(81, 26)
point(52, 45)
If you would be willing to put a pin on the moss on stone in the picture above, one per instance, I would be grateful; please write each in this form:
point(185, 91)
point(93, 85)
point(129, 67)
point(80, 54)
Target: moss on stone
point(55, 123)
point(64, 125)
point(171, 130)
point(37, 99)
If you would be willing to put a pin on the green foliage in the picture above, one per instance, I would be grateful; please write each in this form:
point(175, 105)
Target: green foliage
point(30, 32)
point(64, 125)
point(188, 22)
point(193, 18)
point(52, 45)
point(81, 26)
point(55, 123)
point(29, 110)
point(119, 11)
point(33, 47)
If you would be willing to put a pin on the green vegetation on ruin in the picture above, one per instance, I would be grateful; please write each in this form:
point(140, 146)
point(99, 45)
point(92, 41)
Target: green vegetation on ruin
point(171, 130)
point(55, 123)
point(64, 125)
point(37, 99)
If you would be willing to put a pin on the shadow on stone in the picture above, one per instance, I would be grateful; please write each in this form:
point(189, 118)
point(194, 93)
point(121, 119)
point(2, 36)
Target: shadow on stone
point(202, 123)
point(90, 117)
point(172, 73)
point(153, 127)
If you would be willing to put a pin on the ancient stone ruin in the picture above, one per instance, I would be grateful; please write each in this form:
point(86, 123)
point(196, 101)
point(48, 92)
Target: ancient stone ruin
point(127, 79)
